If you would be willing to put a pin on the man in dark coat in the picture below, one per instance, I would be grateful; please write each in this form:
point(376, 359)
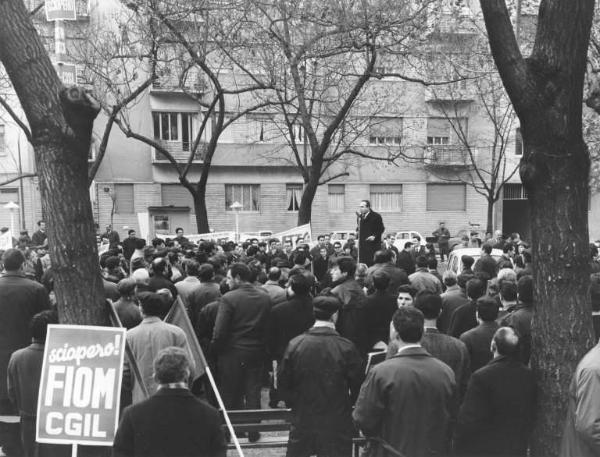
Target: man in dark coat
point(521, 317)
point(370, 228)
point(454, 297)
point(352, 317)
point(171, 422)
point(486, 262)
point(20, 299)
point(465, 317)
point(239, 340)
point(407, 401)
point(319, 377)
point(405, 260)
point(385, 262)
point(449, 350)
point(478, 339)
point(442, 235)
point(380, 307)
point(497, 415)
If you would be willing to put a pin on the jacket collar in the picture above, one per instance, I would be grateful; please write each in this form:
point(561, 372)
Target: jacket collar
point(177, 392)
point(326, 331)
point(412, 352)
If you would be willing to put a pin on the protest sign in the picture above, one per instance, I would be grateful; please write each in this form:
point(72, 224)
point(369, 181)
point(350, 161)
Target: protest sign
point(6, 240)
point(57, 10)
point(302, 231)
point(78, 401)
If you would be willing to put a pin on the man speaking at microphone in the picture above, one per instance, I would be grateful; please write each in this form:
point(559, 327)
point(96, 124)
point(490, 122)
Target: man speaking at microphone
point(370, 228)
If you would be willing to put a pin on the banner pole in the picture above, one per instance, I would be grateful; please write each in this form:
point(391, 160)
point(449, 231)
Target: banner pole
point(74, 450)
point(222, 406)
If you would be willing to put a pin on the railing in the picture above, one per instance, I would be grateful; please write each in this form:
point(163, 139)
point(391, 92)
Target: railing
point(455, 91)
point(447, 155)
point(192, 81)
point(175, 148)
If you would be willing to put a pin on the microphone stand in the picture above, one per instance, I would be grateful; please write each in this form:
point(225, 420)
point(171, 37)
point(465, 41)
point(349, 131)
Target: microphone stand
point(359, 218)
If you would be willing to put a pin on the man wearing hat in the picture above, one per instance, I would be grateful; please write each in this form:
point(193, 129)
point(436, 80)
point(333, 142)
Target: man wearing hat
point(319, 378)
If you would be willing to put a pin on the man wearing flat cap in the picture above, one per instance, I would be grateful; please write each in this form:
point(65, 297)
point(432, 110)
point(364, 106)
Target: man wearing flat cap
point(319, 378)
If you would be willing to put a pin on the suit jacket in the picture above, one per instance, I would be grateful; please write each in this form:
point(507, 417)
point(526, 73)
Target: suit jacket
point(380, 307)
point(581, 437)
point(478, 341)
point(146, 341)
point(287, 320)
point(452, 299)
point(406, 262)
point(520, 319)
point(20, 300)
point(487, 264)
point(408, 401)
point(397, 276)
point(319, 378)
point(423, 280)
point(352, 315)
point(497, 415)
point(463, 319)
point(242, 319)
point(452, 352)
point(24, 373)
point(171, 423)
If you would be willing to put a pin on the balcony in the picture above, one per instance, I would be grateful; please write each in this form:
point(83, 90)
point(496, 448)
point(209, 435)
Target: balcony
point(459, 91)
point(446, 155)
point(179, 81)
point(176, 149)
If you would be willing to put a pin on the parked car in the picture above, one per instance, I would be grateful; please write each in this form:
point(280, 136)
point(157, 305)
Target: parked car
point(403, 236)
point(455, 261)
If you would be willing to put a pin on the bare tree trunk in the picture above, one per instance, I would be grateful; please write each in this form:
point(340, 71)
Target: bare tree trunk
point(561, 330)
point(61, 127)
point(489, 228)
point(201, 211)
point(308, 195)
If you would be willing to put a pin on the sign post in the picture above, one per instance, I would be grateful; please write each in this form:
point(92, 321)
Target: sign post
point(79, 395)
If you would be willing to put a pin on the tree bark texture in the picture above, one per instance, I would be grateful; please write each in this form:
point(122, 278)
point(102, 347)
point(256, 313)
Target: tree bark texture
point(200, 210)
point(61, 125)
point(546, 91)
point(308, 195)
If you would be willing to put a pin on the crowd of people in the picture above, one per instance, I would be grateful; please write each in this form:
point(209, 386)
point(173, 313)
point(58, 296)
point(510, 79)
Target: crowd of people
point(309, 323)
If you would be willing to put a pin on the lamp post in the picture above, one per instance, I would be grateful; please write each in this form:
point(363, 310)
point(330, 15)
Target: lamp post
point(236, 207)
point(12, 206)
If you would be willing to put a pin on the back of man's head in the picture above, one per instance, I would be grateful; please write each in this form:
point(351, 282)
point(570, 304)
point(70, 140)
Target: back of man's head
point(13, 259)
point(487, 309)
point(508, 291)
point(153, 304)
point(429, 304)
point(159, 266)
point(38, 325)
point(300, 284)
point(383, 256)
point(274, 274)
point(421, 262)
point(449, 278)
point(325, 306)
point(525, 289)
point(140, 243)
point(347, 265)
point(432, 263)
point(467, 261)
point(242, 270)
point(506, 341)
point(381, 280)
point(141, 276)
point(206, 272)
point(171, 365)
point(487, 248)
point(408, 322)
point(475, 288)
point(126, 286)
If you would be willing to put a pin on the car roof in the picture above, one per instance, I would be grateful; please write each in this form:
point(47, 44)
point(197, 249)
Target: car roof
point(473, 252)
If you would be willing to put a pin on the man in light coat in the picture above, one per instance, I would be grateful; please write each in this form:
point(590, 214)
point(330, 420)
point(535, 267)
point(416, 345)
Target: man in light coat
point(581, 437)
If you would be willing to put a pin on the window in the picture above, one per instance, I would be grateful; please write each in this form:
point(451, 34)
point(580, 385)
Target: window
point(298, 132)
point(174, 128)
point(446, 197)
point(386, 197)
point(336, 196)
point(248, 195)
point(162, 224)
point(2, 141)
point(293, 195)
point(387, 131)
point(518, 142)
point(123, 195)
point(441, 131)
point(8, 195)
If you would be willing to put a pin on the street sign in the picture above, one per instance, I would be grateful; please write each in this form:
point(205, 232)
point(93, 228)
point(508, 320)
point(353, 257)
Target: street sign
point(57, 10)
point(67, 73)
point(79, 395)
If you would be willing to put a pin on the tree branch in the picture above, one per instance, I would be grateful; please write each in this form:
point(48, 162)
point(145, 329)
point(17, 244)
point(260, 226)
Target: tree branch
point(17, 178)
point(16, 118)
